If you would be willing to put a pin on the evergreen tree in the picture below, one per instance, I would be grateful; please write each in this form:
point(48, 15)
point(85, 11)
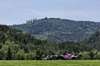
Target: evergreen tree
point(91, 55)
point(9, 54)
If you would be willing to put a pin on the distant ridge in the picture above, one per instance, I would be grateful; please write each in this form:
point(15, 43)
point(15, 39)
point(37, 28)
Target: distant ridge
point(59, 30)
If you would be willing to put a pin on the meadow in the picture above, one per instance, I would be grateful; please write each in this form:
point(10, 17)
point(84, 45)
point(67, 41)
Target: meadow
point(50, 63)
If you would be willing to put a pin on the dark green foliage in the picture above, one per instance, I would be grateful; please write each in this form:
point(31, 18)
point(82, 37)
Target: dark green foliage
point(39, 54)
point(91, 55)
point(2, 37)
point(59, 30)
point(92, 41)
point(20, 45)
point(9, 54)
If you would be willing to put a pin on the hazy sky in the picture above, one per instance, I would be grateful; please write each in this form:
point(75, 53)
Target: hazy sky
point(18, 11)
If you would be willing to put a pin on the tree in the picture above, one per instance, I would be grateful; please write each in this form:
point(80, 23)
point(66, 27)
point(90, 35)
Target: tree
point(39, 54)
point(20, 54)
point(85, 55)
point(9, 54)
point(2, 38)
point(97, 56)
point(91, 54)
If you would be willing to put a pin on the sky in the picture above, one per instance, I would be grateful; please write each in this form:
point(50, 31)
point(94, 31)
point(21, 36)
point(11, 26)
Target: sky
point(19, 11)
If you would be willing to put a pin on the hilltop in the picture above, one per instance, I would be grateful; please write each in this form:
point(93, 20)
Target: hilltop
point(59, 30)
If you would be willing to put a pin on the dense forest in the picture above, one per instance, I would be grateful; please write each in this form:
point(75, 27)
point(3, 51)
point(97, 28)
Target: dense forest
point(18, 45)
point(59, 30)
point(92, 40)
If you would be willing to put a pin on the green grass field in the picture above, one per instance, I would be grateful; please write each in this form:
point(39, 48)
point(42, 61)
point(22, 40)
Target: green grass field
point(51, 63)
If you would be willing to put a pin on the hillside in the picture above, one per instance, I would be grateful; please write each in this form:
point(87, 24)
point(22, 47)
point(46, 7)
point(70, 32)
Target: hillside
point(59, 30)
point(18, 45)
point(92, 41)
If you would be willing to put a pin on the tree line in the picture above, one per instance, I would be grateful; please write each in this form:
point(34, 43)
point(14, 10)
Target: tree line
point(18, 45)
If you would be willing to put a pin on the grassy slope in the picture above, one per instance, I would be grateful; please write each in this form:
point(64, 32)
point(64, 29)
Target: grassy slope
point(52, 63)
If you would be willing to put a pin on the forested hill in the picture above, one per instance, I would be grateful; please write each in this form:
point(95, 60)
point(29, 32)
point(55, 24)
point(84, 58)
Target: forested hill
point(59, 30)
point(18, 45)
point(92, 41)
